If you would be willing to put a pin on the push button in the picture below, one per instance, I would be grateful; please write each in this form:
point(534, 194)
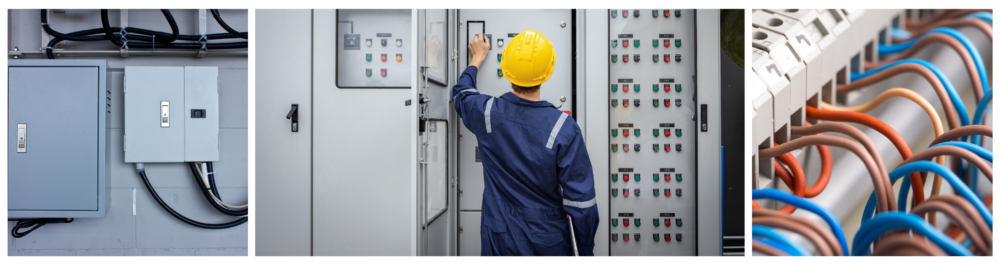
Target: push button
point(656, 42)
point(666, 222)
point(368, 72)
point(614, 177)
point(656, 222)
point(383, 72)
point(625, 131)
point(666, 58)
point(384, 57)
point(625, 57)
point(614, 102)
point(656, 193)
point(368, 57)
point(636, 130)
point(656, 148)
point(656, 13)
point(399, 57)
point(614, 237)
point(656, 237)
point(625, 192)
point(666, 177)
point(678, 88)
point(666, 147)
point(625, 177)
point(637, 222)
point(666, 192)
point(614, 13)
point(656, 132)
point(625, 14)
point(614, 192)
point(625, 235)
point(636, 88)
point(666, 13)
point(666, 237)
point(625, 147)
point(677, 132)
point(666, 87)
point(499, 72)
point(656, 177)
point(614, 87)
point(636, 175)
point(679, 222)
point(614, 132)
point(625, 87)
point(677, 42)
point(625, 104)
point(656, 57)
point(656, 87)
point(614, 147)
point(636, 44)
point(625, 220)
point(666, 132)
point(666, 103)
point(614, 43)
point(614, 222)
point(625, 43)
point(499, 56)
point(614, 58)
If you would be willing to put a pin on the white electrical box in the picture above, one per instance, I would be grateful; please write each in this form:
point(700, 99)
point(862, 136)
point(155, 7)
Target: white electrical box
point(171, 114)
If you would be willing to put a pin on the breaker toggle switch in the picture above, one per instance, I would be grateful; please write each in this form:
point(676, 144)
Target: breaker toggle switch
point(614, 222)
point(656, 57)
point(637, 223)
point(625, 177)
point(614, 192)
point(666, 221)
point(636, 103)
point(666, 192)
point(666, 237)
point(636, 147)
point(636, 130)
point(614, 147)
point(666, 58)
point(656, 193)
point(614, 177)
point(614, 132)
point(383, 72)
point(656, 237)
point(384, 57)
point(625, 87)
point(626, 235)
point(656, 177)
point(656, 222)
point(625, 221)
point(625, 58)
point(635, 57)
point(625, 43)
point(625, 132)
point(614, 237)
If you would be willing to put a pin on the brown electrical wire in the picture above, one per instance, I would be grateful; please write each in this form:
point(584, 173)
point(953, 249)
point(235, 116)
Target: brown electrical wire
point(965, 54)
point(951, 150)
point(960, 132)
point(807, 232)
point(901, 244)
point(827, 235)
point(765, 249)
point(949, 109)
point(970, 211)
point(919, 25)
point(850, 131)
point(886, 200)
point(958, 218)
point(955, 23)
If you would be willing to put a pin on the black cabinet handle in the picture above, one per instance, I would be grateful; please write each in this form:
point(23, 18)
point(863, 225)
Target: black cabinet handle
point(294, 116)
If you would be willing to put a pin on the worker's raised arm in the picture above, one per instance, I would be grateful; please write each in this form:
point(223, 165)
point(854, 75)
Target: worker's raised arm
point(464, 94)
point(576, 177)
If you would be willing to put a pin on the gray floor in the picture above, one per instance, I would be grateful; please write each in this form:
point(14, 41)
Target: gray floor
point(151, 230)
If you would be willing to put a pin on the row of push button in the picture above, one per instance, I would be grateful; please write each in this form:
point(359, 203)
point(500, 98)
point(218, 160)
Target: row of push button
point(399, 57)
point(636, 43)
point(636, 192)
point(635, 13)
point(656, 102)
point(637, 147)
point(636, 87)
point(656, 237)
point(656, 222)
point(656, 132)
point(635, 57)
point(656, 177)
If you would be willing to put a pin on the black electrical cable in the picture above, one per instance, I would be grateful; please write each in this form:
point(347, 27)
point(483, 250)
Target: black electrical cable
point(32, 224)
point(116, 39)
point(149, 186)
point(218, 18)
point(211, 181)
point(164, 37)
point(208, 195)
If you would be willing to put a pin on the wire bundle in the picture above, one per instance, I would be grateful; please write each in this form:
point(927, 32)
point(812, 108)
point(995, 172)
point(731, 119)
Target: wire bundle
point(890, 226)
point(131, 37)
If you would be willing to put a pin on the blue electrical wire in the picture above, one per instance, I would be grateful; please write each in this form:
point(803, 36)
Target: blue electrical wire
point(952, 179)
point(801, 203)
point(901, 33)
point(976, 120)
point(956, 100)
point(771, 244)
point(779, 241)
point(884, 49)
point(982, 15)
point(886, 222)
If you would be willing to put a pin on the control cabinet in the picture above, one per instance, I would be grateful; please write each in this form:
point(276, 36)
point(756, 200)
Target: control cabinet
point(373, 48)
point(500, 26)
point(57, 138)
point(652, 132)
point(171, 114)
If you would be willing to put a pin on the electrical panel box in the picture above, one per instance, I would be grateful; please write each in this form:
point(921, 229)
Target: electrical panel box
point(171, 114)
point(57, 138)
point(500, 26)
point(652, 139)
point(373, 48)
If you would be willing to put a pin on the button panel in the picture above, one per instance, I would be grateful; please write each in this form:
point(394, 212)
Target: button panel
point(647, 132)
point(374, 40)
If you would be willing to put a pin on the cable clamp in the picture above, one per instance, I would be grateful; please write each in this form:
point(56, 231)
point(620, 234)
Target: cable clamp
point(139, 168)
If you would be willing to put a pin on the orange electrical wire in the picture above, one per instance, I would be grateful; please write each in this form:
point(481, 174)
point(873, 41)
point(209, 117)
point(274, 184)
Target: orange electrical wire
point(949, 109)
point(965, 54)
point(881, 127)
point(797, 178)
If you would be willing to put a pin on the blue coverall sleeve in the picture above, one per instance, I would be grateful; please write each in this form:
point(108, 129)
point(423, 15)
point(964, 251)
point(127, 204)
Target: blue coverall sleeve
point(576, 176)
point(468, 102)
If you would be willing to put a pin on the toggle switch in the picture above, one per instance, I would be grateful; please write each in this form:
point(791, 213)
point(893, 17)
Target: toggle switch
point(635, 57)
point(636, 103)
point(635, 13)
point(22, 136)
point(636, 191)
point(678, 147)
point(164, 114)
point(614, 177)
point(666, 177)
point(384, 42)
point(678, 234)
point(678, 101)
point(678, 13)
point(636, 235)
point(383, 72)
point(384, 57)
point(625, 177)
point(677, 57)
point(678, 195)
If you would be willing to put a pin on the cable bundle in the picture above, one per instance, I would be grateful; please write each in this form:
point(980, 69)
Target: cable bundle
point(889, 226)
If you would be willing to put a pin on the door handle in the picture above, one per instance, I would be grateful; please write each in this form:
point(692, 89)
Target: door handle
point(293, 114)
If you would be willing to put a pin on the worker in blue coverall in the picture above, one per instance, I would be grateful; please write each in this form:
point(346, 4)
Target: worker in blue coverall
point(536, 169)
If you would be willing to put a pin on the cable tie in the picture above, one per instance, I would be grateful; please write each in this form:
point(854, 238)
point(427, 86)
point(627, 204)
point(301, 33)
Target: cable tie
point(45, 48)
point(204, 42)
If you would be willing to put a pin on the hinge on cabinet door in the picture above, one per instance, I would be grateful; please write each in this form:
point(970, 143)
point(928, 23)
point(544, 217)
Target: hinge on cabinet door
point(459, 229)
point(459, 192)
point(459, 136)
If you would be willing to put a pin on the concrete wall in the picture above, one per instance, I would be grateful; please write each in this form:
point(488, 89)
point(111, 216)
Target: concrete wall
point(151, 230)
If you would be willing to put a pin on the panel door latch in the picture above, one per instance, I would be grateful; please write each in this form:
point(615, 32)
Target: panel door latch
point(293, 114)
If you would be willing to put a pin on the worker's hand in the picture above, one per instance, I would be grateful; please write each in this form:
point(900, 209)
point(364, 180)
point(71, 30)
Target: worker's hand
point(479, 48)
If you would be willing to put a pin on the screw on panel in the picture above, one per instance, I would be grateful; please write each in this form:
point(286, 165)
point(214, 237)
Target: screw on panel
point(562, 99)
point(562, 24)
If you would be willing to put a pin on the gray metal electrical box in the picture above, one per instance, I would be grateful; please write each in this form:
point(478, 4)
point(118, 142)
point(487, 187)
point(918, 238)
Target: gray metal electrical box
point(57, 138)
point(171, 114)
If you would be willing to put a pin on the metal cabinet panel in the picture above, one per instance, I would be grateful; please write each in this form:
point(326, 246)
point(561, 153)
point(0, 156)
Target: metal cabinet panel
point(201, 113)
point(470, 225)
point(150, 136)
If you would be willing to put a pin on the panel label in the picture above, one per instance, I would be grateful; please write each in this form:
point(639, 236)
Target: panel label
point(625, 214)
point(667, 36)
point(511, 35)
point(666, 80)
point(624, 80)
point(666, 169)
point(625, 125)
point(625, 169)
point(666, 214)
point(383, 35)
point(666, 125)
point(625, 36)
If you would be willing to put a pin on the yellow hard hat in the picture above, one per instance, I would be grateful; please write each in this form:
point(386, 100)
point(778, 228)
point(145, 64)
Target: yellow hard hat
point(528, 59)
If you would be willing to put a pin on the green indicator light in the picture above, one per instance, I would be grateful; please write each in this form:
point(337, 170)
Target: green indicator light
point(614, 88)
point(677, 87)
point(656, 43)
point(679, 223)
point(677, 132)
point(614, 193)
point(656, 222)
point(614, 222)
point(636, 87)
point(679, 178)
point(368, 57)
point(656, 178)
point(368, 72)
point(614, 103)
point(614, 132)
point(614, 43)
point(636, 177)
point(636, 132)
point(656, 88)
point(499, 73)
point(614, 148)
point(637, 223)
point(614, 58)
point(656, 13)
point(636, 43)
point(656, 57)
point(614, 177)
point(614, 238)
point(499, 56)
point(655, 131)
point(677, 43)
